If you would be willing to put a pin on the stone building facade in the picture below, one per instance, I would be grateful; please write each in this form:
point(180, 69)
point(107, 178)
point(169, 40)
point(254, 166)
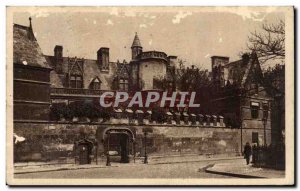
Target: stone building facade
point(233, 101)
point(240, 96)
point(30, 72)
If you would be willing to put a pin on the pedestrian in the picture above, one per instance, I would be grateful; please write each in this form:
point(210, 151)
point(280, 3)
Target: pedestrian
point(247, 152)
point(254, 153)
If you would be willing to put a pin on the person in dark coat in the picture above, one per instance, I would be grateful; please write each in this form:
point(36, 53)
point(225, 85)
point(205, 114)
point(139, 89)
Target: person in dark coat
point(254, 153)
point(247, 152)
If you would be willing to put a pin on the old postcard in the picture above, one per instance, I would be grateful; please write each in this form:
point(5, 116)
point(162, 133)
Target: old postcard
point(150, 96)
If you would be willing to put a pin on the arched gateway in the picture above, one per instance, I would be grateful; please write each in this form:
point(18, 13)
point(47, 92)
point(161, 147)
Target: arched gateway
point(119, 142)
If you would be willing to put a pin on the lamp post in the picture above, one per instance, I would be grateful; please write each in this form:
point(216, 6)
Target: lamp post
point(279, 129)
point(265, 120)
point(107, 152)
point(146, 131)
point(145, 143)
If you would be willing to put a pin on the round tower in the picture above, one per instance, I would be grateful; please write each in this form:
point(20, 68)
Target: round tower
point(136, 47)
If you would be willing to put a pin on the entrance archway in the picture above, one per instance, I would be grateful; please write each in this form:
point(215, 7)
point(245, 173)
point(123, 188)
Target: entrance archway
point(119, 142)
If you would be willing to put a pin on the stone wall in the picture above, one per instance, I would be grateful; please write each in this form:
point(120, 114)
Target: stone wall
point(150, 69)
point(168, 140)
point(164, 140)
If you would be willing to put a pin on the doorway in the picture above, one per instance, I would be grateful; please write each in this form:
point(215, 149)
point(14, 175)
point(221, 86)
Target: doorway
point(124, 148)
point(119, 147)
point(84, 150)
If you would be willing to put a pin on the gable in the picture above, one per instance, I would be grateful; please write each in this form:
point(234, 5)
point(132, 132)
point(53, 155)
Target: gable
point(253, 73)
point(245, 71)
point(123, 70)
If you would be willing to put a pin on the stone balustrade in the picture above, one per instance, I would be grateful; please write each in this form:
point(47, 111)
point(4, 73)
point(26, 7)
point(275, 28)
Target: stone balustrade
point(140, 117)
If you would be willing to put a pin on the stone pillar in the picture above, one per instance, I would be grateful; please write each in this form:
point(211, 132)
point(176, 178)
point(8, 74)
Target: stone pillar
point(177, 118)
point(186, 118)
point(169, 117)
point(140, 117)
point(147, 117)
point(117, 116)
point(193, 119)
point(214, 120)
point(207, 120)
point(130, 116)
point(221, 118)
point(200, 119)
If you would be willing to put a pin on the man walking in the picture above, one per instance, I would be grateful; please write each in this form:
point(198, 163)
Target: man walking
point(247, 152)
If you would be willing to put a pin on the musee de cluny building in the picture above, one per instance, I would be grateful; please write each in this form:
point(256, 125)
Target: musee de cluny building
point(56, 110)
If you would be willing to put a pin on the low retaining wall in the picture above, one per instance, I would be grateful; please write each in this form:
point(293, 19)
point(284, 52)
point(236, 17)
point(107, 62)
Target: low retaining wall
point(54, 140)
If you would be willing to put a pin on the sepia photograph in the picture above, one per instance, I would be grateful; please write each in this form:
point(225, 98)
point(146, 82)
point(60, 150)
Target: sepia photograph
point(150, 96)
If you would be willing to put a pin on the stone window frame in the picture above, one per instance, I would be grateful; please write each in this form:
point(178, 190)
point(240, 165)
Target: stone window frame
point(254, 106)
point(95, 84)
point(76, 81)
point(123, 84)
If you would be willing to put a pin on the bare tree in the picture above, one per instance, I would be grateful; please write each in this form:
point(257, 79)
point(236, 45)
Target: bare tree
point(270, 43)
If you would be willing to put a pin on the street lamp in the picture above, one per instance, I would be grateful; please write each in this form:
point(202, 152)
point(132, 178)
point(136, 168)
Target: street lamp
point(146, 131)
point(145, 143)
point(265, 120)
point(107, 152)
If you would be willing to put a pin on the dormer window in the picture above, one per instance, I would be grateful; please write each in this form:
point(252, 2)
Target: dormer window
point(123, 84)
point(95, 84)
point(76, 81)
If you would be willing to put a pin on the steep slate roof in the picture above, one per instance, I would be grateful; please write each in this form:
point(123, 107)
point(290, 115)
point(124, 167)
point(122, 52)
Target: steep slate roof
point(136, 41)
point(91, 70)
point(56, 80)
point(240, 70)
point(26, 49)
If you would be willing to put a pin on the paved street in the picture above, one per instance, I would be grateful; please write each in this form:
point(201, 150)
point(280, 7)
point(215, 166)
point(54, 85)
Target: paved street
point(175, 170)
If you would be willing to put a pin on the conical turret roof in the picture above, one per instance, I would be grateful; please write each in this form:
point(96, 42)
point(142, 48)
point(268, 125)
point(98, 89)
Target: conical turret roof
point(136, 41)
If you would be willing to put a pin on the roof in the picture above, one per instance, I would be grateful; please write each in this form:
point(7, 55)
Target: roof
point(136, 41)
point(26, 49)
point(223, 57)
point(91, 70)
point(239, 70)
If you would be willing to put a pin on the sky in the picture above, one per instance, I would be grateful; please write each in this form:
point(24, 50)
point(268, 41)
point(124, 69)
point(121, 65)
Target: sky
point(192, 34)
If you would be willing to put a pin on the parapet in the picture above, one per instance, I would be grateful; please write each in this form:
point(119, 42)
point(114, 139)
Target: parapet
point(153, 55)
point(140, 117)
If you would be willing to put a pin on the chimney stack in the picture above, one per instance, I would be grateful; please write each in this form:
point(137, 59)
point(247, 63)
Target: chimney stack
point(103, 58)
point(58, 51)
point(58, 55)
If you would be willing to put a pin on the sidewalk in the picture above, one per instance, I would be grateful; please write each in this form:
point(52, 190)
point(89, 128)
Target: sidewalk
point(241, 170)
point(31, 167)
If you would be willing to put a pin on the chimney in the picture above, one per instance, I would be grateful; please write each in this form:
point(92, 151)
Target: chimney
point(58, 51)
point(58, 55)
point(217, 65)
point(103, 58)
point(219, 61)
point(245, 57)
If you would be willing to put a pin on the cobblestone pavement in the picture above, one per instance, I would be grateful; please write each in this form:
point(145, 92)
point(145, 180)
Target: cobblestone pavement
point(172, 170)
point(241, 170)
